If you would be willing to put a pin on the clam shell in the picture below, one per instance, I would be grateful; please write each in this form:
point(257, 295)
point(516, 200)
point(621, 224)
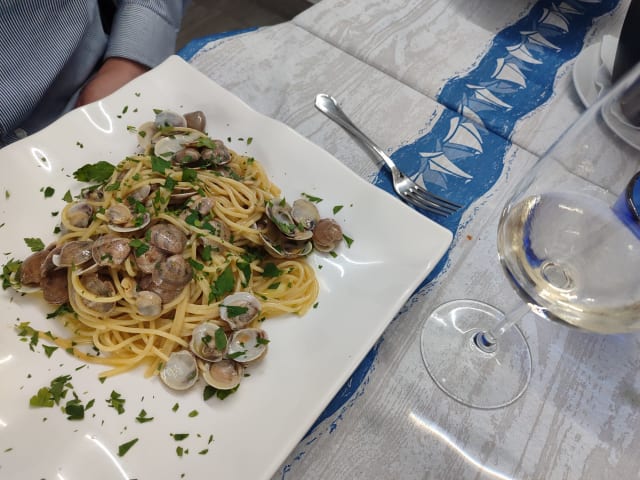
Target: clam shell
point(223, 375)
point(247, 345)
point(239, 309)
point(149, 304)
point(203, 342)
point(74, 253)
point(181, 370)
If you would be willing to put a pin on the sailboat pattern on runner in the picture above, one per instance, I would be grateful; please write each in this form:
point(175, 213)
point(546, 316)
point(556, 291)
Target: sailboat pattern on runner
point(461, 157)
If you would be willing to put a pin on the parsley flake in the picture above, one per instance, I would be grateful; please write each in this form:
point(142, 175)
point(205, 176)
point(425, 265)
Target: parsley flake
point(35, 244)
point(124, 448)
point(96, 172)
point(116, 402)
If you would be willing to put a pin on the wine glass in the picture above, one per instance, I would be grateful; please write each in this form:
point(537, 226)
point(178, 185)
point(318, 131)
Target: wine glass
point(569, 244)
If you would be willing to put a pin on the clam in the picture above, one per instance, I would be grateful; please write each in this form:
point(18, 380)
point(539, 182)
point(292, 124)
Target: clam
point(287, 248)
point(220, 232)
point(305, 214)
point(216, 153)
point(147, 261)
point(203, 205)
point(146, 131)
point(101, 288)
point(149, 304)
point(173, 273)
point(279, 212)
point(165, 292)
point(167, 237)
point(181, 370)
point(187, 156)
point(223, 375)
point(73, 254)
point(167, 118)
point(94, 193)
point(327, 235)
point(53, 280)
point(247, 345)
point(239, 309)
point(166, 147)
point(79, 214)
point(208, 342)
point(119, 214)
point(196, 120)
point(179, 195)
point(280, 246)
point(55, 287)
point(140, 193)
point(135, 224)
point(109, 250)
point(30, 272)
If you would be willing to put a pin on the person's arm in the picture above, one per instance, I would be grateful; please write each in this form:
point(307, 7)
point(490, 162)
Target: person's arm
point(143, 34)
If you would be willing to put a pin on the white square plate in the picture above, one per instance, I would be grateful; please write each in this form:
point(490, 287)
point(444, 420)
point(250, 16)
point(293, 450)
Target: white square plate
point(251, 432)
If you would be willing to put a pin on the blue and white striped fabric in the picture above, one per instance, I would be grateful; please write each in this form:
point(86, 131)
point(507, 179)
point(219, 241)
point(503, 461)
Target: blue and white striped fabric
point(51, 47)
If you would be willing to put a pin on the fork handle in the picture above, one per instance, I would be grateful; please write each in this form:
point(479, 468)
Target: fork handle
point(329, 106)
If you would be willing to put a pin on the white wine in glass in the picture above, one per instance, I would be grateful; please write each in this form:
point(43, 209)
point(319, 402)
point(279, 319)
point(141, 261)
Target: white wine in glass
point(569, 244)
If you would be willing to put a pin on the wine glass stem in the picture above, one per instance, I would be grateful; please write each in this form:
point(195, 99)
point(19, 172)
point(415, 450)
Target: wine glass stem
point(487, 341)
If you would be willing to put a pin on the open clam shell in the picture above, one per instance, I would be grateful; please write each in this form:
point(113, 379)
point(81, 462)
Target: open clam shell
point(239, 309)
point(247, 345)
point(209, 342)
point(181, 370)
point(223, 375)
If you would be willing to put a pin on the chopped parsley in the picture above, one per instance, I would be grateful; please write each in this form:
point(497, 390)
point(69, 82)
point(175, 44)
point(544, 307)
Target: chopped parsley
point(196, 265)
point(35, 244)
point(96, 172)
point(124, 448)
point(189, 175)
point(58, 390)
point(116, 402)
point(159, 164)
point(61, 310)
point(271, 270)
point(210, 391)
point(48, 350)
point(8, 270)
point(311, 198)
point(348, 240)
point(142, 417)
point(220, 339)
point(222, 285)
point(235, 310)
point(139, 247)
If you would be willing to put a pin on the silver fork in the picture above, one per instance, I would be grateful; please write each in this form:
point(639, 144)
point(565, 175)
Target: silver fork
point(406, 188)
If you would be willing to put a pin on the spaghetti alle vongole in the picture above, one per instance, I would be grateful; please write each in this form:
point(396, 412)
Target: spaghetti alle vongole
point(176, 255)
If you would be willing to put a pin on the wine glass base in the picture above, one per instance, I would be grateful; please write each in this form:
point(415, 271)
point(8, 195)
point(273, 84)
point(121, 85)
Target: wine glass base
point(462, 370)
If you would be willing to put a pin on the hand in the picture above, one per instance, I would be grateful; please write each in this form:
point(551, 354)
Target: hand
point(113, 74)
